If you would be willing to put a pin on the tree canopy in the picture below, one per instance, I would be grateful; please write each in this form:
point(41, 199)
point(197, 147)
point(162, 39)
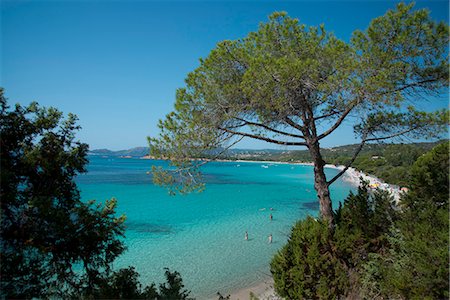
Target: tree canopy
point(52, 243)
point(292, 85)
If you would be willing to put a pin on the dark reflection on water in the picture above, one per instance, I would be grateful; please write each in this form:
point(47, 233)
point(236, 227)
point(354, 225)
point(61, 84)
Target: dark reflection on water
point(311, 205)
point(112, 178)
point(228, 179)
point(144, 178)
point(145, 227)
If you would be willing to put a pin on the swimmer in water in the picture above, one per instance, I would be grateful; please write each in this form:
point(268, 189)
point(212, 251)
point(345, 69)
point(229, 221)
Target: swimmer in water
point(246, 236)
point(270, 217)
point(270, 238)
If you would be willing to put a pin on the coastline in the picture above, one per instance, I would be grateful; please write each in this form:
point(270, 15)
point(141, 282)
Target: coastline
point(351, 175)
point(263, 291)
point(265, 288)
point(354, 177)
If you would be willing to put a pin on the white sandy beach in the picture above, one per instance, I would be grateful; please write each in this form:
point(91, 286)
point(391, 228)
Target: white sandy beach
point(354, 176)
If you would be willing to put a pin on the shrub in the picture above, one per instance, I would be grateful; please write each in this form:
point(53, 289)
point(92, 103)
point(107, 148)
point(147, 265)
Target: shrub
point(307, 267)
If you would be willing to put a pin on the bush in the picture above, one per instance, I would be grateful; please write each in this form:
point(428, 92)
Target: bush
point(417, 263)
point(124, 284)
point(307, 267)
point(322, 263)
point(376, 251)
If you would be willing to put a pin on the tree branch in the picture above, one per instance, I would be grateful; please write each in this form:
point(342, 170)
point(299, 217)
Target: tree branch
point(269, 128)
point(410, 85)
point(293, 124)
point(204, 162)
point(258, 137)
point(326, 115)
point(338, 122)
point(363, 141)
point(349, 163)
point(392, 136)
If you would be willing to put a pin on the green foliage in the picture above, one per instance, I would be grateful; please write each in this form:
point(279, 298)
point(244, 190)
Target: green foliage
point(53, 245)
point(418, 264)
point(308, 266)
point(173, 288)
point(430, 178)
point(51, 242)
point(362, 224)
point(293, 85)
point(381, 251)
point(390, 162)
point(323, 263)
point(124, 284)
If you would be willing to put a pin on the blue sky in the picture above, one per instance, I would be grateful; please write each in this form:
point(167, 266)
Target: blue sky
point(117, 64)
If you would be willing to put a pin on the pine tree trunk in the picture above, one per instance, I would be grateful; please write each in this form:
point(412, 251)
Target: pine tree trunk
point(320, 183)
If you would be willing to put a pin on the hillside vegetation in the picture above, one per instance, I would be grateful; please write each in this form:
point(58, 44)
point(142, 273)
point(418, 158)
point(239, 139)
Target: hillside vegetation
point(390, 162)
point(376, 250)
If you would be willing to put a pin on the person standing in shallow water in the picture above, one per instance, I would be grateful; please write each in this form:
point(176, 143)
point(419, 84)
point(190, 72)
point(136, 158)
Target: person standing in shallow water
point(246, 236)
point(270, 238)
point(270, 217)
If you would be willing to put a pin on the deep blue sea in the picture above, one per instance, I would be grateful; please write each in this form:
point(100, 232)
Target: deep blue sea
point(201, 235)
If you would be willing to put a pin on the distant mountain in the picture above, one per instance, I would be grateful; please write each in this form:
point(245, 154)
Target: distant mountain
point(133, 152)
point(101, 152)
point(391, 162)
point(335, 155)
point(231, 153)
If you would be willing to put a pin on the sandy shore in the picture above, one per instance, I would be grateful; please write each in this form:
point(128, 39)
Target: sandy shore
point(263, 291)
point(354, 176)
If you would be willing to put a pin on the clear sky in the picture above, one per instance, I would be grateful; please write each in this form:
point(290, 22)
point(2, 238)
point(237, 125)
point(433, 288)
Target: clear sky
point(117, 64)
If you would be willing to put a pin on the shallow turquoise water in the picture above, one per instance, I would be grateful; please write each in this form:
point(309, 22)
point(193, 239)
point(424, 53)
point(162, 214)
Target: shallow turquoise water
point(202, 235)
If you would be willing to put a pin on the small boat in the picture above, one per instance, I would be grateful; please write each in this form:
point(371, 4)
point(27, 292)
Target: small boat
point(264, 166)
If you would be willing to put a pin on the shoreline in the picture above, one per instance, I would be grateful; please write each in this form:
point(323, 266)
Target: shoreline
point(351, 176)
point(263, 290)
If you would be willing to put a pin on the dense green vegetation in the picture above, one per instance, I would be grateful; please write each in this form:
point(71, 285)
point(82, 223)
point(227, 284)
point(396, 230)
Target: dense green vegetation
point(52, 243)
point(45, 228)
point(124, 284)
point(390, 162)
point(376, 250)
point(416, 265)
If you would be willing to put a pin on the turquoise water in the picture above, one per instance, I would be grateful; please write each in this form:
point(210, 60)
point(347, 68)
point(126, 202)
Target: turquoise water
point(201, 235)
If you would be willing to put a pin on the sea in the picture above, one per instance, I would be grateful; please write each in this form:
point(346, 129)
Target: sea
point(201, 235)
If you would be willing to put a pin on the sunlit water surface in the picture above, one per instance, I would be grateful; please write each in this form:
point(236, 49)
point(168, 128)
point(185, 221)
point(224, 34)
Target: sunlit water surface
point(201, 235)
